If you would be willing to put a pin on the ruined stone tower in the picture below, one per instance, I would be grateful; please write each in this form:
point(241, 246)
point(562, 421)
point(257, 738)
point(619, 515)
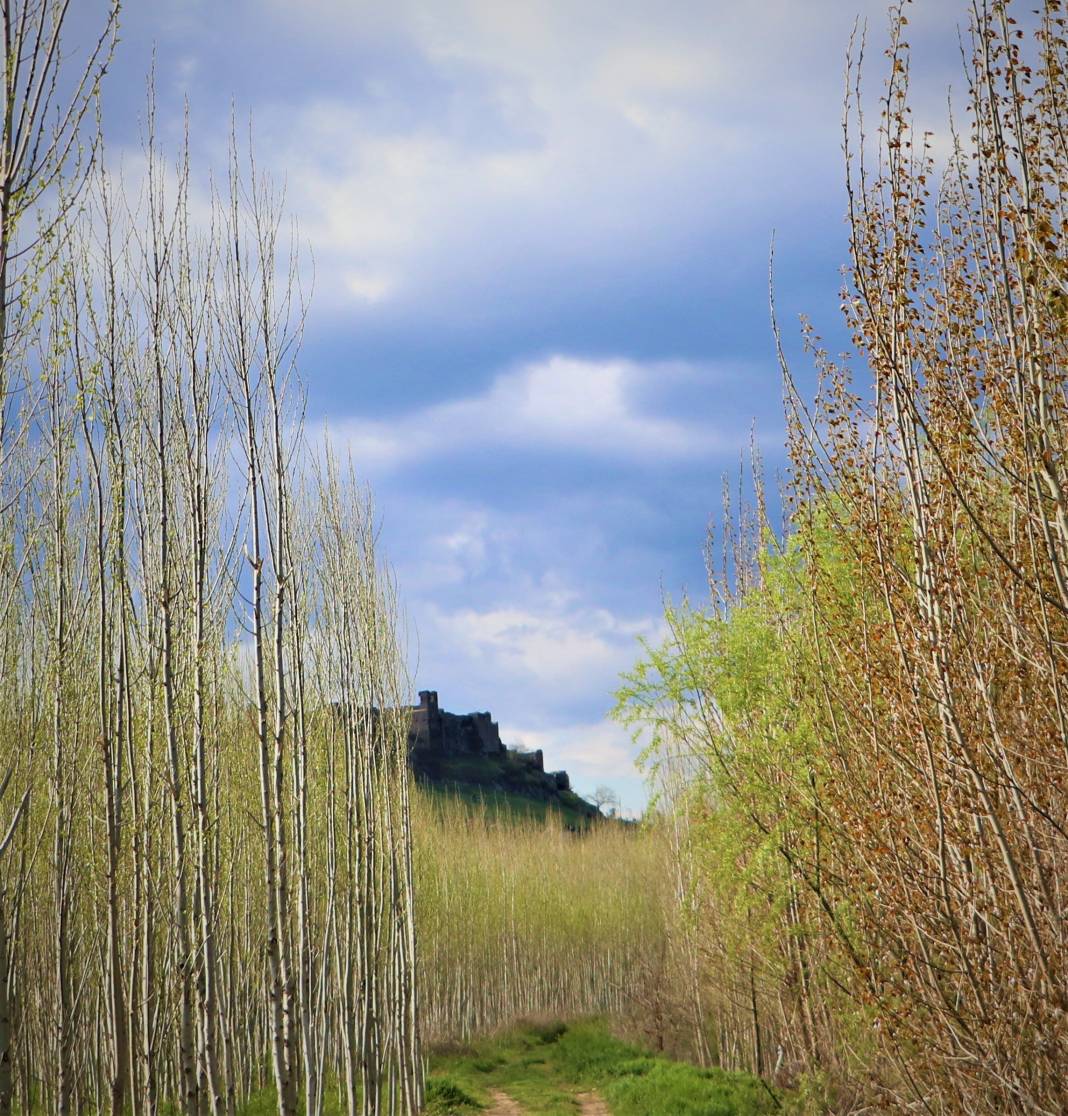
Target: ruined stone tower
point(434, 732)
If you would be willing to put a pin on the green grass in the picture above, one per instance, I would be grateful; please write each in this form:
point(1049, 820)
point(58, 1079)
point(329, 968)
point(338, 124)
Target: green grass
point(444, 1097)
point(545, 1067)
point(510, 805)
point(265, 1103)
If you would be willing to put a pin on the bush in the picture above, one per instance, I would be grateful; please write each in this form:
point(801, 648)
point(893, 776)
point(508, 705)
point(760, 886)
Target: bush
point(445, 1098)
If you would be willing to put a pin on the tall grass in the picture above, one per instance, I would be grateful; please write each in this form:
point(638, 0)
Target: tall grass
point(523, 918)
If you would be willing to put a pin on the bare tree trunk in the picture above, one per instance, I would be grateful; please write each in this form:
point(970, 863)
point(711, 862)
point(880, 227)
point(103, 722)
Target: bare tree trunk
point(62, 877)
point(181, 944)
point(6, 961)
point(157, 265)
point(244, 348)
point(6, 1079)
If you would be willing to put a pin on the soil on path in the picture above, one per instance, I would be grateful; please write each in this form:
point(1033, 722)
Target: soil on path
point(503, 1105)
point(592, 1105)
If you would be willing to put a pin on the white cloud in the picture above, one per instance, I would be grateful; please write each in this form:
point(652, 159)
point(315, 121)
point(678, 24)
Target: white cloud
point(551, 134)
point(590, 406)
point(527, 136)
point(594, 753)
point(541, 661)
point(367, 287)
point(515, 134)
point(597, 751)
point(560, 651)
point(540, 666)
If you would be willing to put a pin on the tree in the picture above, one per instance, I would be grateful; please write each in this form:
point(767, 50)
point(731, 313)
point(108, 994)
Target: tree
point(604, 798)
point(42, 155)
point(43, 166)
point(875, 710)
point(169, 901)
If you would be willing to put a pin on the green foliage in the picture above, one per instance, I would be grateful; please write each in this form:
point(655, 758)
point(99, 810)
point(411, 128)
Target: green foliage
point(637, 1083)
point(545, 1067)
point(733, 707)
point(444, 1097)
point(726, 688)
point(814, 1096)
point(673, 1089)
point(505, 784)
point(516, 1062)
point(513, 807)
point(264, 1102)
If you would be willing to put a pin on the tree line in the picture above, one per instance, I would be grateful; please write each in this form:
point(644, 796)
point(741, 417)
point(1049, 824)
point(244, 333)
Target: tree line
point(861, 738)
point(205, 847)
point(520, 918)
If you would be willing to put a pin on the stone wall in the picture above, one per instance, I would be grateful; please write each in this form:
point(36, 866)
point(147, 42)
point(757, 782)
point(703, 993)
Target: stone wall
point(435, 736)
point(433, 730)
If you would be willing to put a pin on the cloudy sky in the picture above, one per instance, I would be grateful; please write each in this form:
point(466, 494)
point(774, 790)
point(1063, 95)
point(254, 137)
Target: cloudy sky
point(539, 231)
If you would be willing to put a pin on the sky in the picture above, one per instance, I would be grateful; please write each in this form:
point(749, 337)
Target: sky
point(537, 233)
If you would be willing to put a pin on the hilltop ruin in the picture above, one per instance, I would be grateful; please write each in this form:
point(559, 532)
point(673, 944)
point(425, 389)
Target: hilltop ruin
point(436, 736)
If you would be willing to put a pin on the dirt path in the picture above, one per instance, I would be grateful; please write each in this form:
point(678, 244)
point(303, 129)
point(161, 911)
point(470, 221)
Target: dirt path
point(503, 1105)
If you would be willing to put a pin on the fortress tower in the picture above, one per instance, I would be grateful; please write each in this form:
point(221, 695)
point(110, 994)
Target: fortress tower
point(433, 730)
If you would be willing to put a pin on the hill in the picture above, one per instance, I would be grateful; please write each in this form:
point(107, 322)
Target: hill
point(462, 754)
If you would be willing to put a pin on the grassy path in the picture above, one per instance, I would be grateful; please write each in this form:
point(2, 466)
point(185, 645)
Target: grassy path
point(582, 1070)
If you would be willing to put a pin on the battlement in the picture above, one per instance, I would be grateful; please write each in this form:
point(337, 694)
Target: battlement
point(466, 748)
point(436, 731)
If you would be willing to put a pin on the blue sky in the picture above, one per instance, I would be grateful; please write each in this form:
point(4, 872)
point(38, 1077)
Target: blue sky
point(539, 231)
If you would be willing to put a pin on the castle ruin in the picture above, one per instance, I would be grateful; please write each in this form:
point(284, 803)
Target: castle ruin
point(435, 732)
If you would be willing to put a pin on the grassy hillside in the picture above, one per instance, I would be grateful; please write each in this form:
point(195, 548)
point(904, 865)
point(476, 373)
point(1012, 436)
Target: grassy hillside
point(505, 782)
